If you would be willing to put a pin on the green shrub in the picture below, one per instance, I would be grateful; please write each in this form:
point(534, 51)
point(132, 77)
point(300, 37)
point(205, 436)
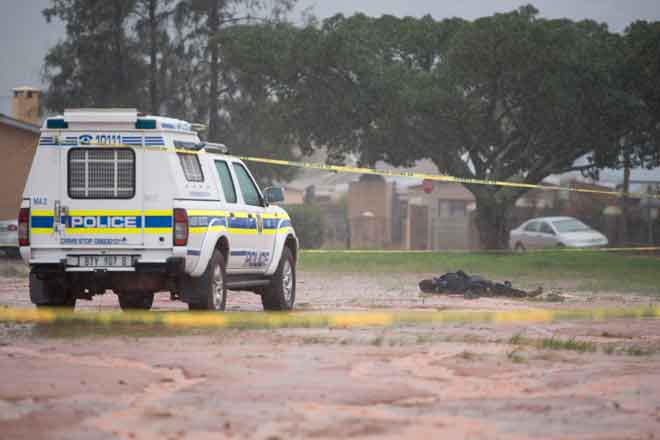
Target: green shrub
point(309, 223)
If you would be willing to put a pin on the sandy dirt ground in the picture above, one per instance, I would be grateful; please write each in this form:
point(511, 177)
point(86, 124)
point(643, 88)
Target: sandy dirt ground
point(472, 381)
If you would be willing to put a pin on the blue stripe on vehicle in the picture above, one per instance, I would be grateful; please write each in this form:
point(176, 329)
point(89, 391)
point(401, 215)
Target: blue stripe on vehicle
point(270, 223)
point(243, 223)
point(194, 252)
point(238, 253)
point(42, 222)
point(285, 223)
point(153, 221)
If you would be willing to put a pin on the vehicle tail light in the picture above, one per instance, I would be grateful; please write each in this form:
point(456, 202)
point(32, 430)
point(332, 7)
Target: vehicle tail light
point(12, 228)
point(24, 227)
point(180, 227)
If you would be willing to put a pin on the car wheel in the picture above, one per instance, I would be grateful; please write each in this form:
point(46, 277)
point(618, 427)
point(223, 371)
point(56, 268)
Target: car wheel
point(50, 293)
point(280, 294)
point(136, 300)
point(520, 247)
point(209, 292)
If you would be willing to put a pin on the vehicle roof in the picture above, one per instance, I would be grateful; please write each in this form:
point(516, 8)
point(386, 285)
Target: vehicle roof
point(103, 117)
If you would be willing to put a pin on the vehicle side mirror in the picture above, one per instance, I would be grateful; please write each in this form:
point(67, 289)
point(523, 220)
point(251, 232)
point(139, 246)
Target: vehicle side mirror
point(274, 194)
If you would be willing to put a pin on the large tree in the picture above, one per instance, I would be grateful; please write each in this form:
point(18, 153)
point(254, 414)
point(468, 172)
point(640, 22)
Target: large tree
point(98, 63)
point(166, 57)
point(510, 97)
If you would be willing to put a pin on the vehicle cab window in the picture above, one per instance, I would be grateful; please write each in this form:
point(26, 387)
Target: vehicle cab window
point(546, 229)
point(226, 181)
point(249, 190)
point(532, 227)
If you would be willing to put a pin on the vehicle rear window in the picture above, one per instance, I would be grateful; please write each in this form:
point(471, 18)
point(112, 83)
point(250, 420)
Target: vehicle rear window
point(101, 173)
point(192, 169)
point(226, 181)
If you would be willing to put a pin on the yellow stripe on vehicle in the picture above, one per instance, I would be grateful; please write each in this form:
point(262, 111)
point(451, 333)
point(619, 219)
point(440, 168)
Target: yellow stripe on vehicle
point(108, 231)
point(75, 212)
point(40, 213)
point(158, 230)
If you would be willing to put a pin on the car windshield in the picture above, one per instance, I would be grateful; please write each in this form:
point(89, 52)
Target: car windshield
point(570, 226)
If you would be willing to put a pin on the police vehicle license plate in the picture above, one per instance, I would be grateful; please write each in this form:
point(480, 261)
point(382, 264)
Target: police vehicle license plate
point(100, 260)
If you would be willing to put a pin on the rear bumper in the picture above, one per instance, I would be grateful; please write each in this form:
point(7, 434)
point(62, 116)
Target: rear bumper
point(171, 266)
point(145, 277)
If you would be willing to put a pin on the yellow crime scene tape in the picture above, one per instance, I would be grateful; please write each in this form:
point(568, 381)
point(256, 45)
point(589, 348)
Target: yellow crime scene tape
point(406, 174)
point(440, 177)
point(263, 320)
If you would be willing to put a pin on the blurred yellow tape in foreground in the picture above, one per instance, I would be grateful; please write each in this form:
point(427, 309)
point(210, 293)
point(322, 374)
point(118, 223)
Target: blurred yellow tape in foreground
point(260, 320)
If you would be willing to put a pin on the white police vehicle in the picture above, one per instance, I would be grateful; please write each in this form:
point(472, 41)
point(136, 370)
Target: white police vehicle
point(137, 204)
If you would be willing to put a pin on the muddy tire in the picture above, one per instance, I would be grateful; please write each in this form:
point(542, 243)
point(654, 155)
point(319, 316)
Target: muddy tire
point(136, 300)
point(280, 294)
point(50, 293)
point(209, 292)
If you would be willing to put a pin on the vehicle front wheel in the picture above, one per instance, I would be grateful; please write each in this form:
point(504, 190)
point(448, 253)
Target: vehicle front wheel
point(280, 294)
point(139, 300)
point(209, 292)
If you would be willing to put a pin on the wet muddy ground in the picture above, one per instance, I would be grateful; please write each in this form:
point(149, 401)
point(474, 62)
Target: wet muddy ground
point(565, 380)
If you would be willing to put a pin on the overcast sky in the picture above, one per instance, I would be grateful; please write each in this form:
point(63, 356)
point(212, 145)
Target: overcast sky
point(25, 36)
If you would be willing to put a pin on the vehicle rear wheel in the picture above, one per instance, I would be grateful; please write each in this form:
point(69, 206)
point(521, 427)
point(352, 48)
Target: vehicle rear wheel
point(280, 294)
point(520, 247)
point(136, 300)
point(50, 293)
point(209, 292)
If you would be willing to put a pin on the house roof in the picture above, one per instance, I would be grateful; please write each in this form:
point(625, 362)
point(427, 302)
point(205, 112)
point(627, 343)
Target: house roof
point(15, 123)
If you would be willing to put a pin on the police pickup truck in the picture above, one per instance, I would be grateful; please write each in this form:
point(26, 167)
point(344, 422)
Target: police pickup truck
point(137, 204)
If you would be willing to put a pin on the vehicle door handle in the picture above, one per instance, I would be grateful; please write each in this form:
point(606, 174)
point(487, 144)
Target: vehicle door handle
point(231, 214)
point(249, 215)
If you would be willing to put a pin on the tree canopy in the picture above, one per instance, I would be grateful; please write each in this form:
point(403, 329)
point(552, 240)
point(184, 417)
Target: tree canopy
point(165, 57)
point(509, 97)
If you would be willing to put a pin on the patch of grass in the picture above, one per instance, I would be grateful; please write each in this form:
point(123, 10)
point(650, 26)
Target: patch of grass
point(318, 340)
point(424, 339)
point(377, 341)
point(551, 356)
point(553, 343)
point(517, 339)
point(598, 270)
point(468, 355)
point(566, 344)
point(607, 334)
point(636, 350)
point(13, 269)
point(609, 349)
point(515, 356)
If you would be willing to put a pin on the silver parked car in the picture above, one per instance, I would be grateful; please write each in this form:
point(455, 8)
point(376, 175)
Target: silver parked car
point(548, 232)
point(9, 237)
